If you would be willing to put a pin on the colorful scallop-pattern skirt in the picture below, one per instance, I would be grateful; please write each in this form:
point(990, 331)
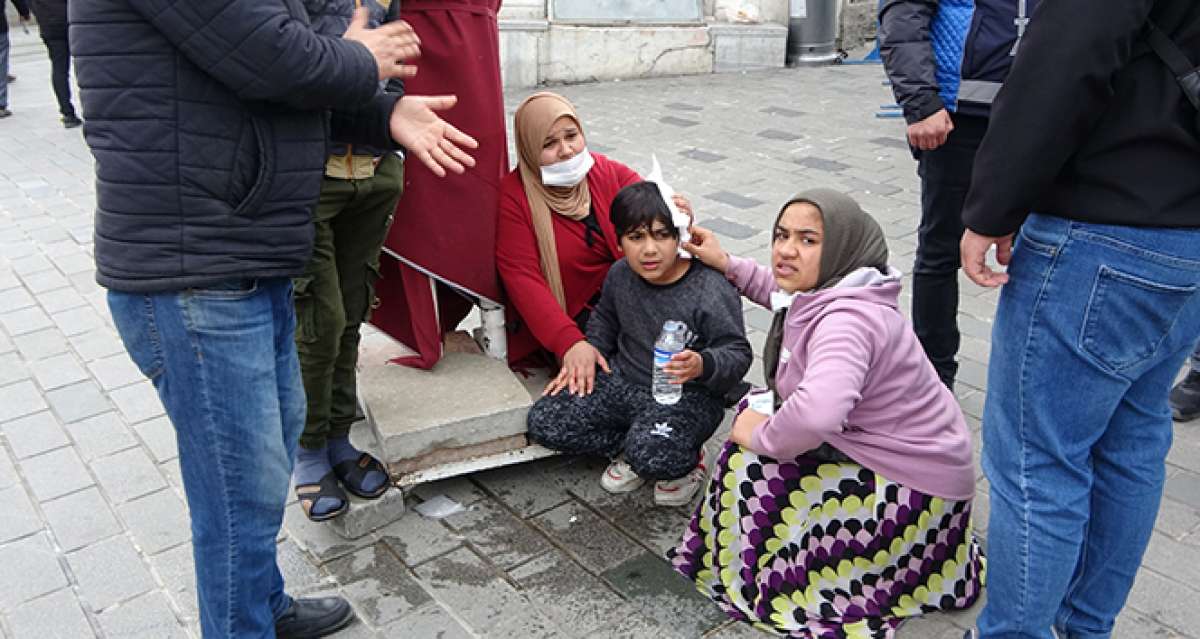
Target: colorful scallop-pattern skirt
point(817, 550)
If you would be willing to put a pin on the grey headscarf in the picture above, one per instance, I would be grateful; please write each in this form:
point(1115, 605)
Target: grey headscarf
point(851, 240)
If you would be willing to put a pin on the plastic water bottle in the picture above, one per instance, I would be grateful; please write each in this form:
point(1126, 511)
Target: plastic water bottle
point(672, 340)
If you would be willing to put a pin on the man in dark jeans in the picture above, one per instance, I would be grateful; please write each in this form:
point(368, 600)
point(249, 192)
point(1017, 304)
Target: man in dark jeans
point(5, 78)
point(946, 60)
point(52, 23)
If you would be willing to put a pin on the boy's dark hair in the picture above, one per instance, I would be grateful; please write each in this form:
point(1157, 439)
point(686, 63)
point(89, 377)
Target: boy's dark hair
point(639, 205)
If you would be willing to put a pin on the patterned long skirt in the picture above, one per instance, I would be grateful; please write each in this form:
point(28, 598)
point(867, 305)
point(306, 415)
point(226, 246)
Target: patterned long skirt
point(817, 550)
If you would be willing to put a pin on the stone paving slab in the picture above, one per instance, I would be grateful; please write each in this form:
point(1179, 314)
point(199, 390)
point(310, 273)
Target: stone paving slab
point(94, 535)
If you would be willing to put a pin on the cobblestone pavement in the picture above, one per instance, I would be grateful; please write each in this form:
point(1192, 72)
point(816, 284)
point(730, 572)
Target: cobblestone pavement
point(93, 527)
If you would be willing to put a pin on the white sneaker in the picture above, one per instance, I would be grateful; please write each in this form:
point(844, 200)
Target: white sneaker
point(679, 492)
point(620, 478)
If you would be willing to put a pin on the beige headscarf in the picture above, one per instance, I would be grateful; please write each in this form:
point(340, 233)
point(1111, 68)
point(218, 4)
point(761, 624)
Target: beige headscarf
point(531, 123)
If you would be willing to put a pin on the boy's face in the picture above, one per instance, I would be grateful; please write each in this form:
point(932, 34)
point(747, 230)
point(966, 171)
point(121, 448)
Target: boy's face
point(652, 253)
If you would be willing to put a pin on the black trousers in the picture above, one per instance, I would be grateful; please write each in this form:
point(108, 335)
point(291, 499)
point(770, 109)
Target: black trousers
point(659, 442)
point(945, 178)
point(60, 68)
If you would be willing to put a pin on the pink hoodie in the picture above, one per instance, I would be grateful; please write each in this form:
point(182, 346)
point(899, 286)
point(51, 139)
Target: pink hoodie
point(852, 373)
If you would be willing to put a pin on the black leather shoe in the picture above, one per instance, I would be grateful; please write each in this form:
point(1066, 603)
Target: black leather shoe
point(314, 617)
point(1185, 398)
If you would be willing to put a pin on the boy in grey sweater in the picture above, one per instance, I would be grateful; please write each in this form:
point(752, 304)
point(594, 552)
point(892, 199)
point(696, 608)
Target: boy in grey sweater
point(621, 417)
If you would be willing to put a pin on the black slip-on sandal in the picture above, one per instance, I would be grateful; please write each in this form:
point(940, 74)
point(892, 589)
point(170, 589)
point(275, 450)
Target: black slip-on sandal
point(353, 473)
point(327, 487)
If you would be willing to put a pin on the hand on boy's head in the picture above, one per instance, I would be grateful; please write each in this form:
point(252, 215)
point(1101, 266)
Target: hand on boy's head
point(684, 367)
point(578, 372)
point(705, 246)
point(684, 205)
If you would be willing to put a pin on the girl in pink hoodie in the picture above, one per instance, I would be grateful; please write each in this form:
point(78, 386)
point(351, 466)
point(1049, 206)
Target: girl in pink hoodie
point(842, 503)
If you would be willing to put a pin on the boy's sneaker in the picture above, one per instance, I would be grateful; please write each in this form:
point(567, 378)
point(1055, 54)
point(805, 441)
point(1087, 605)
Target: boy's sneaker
point(620, 478)
point(1185, 398)
point(679, 492)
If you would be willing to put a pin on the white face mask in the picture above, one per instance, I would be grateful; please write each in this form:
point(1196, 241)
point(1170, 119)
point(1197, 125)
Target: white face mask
point(568, 172)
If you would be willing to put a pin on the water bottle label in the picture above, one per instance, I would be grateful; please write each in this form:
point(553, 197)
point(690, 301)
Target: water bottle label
point(661, 357)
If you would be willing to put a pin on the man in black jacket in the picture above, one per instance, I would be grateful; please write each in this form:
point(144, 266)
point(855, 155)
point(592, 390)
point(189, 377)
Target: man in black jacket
point(1100, 305)
point(208, 123)
point(52, 25)
point(5, 78)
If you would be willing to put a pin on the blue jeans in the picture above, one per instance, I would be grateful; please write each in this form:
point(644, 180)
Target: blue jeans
point(3, 68)
point(1089, 335)
point(224, 363)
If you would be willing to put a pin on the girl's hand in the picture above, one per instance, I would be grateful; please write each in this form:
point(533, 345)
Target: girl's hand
point(704, 245)
point(578, 371)
point(744, 425)
point(684, 367)
point(684, 205)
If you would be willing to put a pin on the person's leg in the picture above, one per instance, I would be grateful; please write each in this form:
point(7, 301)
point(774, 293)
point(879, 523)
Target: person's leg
point(664, 441)
point(594, 424)
point(1185, 396)
point(358, 232)
point(945, 177)
point(59, 49)
point(1080, 311)
point(320, 320)
point(4, 71)
point(212, 356)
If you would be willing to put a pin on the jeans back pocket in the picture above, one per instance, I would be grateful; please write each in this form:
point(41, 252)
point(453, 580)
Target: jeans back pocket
point(1128, 317)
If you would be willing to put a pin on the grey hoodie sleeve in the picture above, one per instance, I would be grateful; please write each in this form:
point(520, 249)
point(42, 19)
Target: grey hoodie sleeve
point(726, 351)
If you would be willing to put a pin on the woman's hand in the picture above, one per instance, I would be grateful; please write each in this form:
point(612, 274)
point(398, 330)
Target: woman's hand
point(684, 367)
point(744, 425)
point(578, 371)
point(684, 205)
point(704, 245)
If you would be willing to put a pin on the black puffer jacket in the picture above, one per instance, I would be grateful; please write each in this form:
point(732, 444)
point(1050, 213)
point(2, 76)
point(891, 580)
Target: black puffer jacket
point(1091, 125)
point(208, 124)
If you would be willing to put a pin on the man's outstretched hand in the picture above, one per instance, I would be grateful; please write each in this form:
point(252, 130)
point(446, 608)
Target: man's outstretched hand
point(433, 141)
point(389, 44)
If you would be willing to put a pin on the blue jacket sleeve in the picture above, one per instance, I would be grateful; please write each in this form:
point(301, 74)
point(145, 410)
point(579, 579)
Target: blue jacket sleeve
point(263, 51)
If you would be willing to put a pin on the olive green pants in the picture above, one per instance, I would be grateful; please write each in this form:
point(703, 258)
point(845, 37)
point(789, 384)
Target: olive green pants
point(336, 292)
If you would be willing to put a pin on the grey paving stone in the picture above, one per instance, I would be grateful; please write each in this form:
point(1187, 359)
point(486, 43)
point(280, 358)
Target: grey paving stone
point(650, 583)
point(127, 474)
point(31, 264)
point(57, 371)
point(158, 520)
point(159, 436)
point(137, 402)
point(16, 298)
point(77, 401)
point(1177, 520)
point(782, 111)
point(30, 570)
point(19, 399)
point(431, 621)
point(8, 470)
point(43, 281)
point(702, 156)
point(177, 570)
point(20, 519)
point(655, 527)
point(96, 344)
point(74, 262)
point(100, 435)
point(115, 371)
point(53, 616)
point(379, 586)
point(683, 106)
point(1173, 559)
point(416, 539)
point(581, 602)
point(55, 473)
point(895, 143)
point(734, 200)
point(1184, 487)
point(821, 164)
point(80, 518)
point(523, 487)
point(502, 538)
point(300, 575)
point(680, 122)
point(77, 320)
point(6, 344)
point(60, 300)
point(1165, 600)
point(460, 489)
point(865, 186)
point(40, 344)
point(776, 134)
point(34, 434)
point(477, 595)
point(12, 368)
point(727, 228)
point(146, 616)
point(317, 539)
point(109, 572)
point(25, 320)
point(590, 540)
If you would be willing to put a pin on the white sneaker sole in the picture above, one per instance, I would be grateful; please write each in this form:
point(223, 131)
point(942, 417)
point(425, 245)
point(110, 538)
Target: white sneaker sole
point(676, 498)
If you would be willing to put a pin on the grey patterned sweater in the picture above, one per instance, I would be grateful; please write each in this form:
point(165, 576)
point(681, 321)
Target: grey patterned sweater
point(631, 312)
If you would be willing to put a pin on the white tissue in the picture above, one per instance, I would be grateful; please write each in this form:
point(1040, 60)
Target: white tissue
point(679, 218)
